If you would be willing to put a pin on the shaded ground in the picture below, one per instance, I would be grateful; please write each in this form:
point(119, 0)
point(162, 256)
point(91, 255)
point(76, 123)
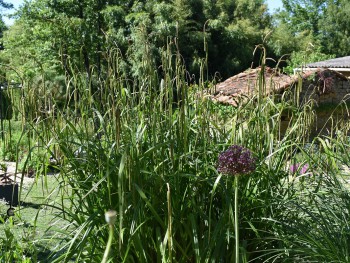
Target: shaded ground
point(36, 225)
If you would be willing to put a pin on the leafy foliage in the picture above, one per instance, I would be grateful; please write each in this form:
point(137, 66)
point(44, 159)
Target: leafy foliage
point(314, 29)
point(335, 26)
point(13, 249)
point(83, 31)
point(302, 58)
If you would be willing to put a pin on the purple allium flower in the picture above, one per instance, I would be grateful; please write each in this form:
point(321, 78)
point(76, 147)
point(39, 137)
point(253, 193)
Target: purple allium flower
point(295, 167)
point(304, 169)
point(236, 160)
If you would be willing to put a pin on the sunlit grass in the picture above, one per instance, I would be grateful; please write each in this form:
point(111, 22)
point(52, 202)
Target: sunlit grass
point(148, 149)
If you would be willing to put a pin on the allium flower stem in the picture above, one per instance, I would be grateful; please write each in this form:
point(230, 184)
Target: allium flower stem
point(109, 244)
point(236, 219)
point(110, 217)
point(236, 161)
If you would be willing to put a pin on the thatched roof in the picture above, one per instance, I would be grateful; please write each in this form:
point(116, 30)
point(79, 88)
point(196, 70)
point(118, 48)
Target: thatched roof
point(246, 84)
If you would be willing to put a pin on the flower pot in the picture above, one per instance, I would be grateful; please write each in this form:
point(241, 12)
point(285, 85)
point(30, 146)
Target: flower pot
point(9, 193)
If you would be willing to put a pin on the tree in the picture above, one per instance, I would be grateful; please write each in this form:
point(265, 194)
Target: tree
point(335, 25)
point(2, 24)
point(84, 31)
point(6, 5)
point(3, 28)
point(297, 26)
point(234, 29)
point(303, 15)
point(302, 29)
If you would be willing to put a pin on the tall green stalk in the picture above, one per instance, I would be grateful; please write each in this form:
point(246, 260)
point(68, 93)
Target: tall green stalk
point(109, 244)
point(110, 217)
point(236, 218)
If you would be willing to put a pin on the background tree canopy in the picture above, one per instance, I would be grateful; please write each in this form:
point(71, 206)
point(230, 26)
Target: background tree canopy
point(58, 37)
point(311, 30)
point(49, 32)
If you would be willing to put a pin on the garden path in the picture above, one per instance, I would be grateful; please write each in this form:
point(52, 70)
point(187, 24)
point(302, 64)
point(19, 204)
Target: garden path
point(11, 171)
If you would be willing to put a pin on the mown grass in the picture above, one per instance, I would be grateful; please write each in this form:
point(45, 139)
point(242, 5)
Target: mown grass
point(30, 231)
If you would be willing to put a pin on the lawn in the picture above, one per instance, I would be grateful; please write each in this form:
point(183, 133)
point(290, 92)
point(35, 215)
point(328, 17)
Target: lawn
point(35, 228)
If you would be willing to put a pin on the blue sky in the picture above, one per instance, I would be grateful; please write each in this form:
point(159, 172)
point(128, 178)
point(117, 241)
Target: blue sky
point(272, 4)
point(16, 3)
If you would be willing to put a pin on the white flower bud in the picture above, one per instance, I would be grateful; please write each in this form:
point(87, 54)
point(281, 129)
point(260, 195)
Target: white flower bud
point(111, 217)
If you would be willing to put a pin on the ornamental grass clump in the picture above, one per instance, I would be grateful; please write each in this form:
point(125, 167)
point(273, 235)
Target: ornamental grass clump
point(236, 160)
